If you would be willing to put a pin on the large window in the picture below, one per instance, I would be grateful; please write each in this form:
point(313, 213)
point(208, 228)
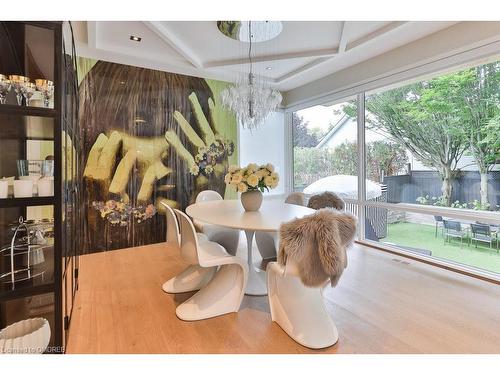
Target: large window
point(325, 148)
point(431, 161)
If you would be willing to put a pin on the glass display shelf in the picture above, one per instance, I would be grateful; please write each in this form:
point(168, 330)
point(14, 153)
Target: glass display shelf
point(25, 290)
point(31, 201)
point(11, 109)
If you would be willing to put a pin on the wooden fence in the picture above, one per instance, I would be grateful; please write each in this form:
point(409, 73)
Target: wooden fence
point(407, 188)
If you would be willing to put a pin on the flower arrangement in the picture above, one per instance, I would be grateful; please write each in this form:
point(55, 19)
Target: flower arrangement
point(209, 156)
point(120, 213)
point(252, 177)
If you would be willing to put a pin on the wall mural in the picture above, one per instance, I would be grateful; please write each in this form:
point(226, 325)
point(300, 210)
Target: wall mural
point(147, 136)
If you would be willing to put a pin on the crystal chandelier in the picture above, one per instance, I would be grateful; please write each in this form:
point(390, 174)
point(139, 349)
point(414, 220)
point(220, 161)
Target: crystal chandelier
point(251, 100)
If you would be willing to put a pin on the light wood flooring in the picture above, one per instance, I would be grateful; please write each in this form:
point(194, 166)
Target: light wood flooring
point(383, 304)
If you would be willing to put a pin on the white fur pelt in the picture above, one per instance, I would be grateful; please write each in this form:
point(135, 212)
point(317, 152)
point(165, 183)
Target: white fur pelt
point(317, 245)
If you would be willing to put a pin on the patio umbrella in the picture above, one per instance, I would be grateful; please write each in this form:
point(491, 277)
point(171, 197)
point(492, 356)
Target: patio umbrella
point(345, 186)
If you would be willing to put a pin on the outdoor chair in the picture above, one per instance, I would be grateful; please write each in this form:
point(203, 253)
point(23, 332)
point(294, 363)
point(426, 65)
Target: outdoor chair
point(453, 229)
point(439, 223)
point(483, 233)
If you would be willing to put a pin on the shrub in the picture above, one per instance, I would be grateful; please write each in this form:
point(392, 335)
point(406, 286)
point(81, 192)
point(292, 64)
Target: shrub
point(311, 164)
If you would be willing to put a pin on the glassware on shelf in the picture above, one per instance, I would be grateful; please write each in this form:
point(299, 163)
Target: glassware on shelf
point(30, 167)
point(46, 87)
point(29, 91)
point(5, 86)
point(18, 83)
point(47, 168)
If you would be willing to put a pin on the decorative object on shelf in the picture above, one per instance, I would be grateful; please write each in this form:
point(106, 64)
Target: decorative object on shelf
point(10, 185)
point(31, 170)
point(252, 99)
point(121, 213)
point(46, 87)
point(30, 336)
point(28, 242)
point(29, 91)
point(19, 85)
point(209, 157)
point(46, 187)
point(5, 86)
point(4, 189)
point(34, 178)
point(47, 169)
point(23, 188)
point(251, 181)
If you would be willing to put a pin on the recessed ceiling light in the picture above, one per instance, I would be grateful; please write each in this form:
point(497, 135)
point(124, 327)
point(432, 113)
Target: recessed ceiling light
point(268, 68)
point(135, 38)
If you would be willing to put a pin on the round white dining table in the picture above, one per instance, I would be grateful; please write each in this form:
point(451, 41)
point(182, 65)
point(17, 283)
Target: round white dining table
point(230, 214)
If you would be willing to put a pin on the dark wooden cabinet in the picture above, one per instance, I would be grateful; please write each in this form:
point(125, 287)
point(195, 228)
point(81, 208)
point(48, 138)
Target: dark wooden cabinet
point(37, 50)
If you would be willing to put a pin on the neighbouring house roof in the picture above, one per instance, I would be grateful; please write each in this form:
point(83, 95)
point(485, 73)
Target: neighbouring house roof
point(340, 123)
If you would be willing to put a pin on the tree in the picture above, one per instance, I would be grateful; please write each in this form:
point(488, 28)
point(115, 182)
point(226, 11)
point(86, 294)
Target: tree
point(440, 119)
point(302, 137)
point(481, 117)
point(345, 158)
point(385, 156)
point(422, 118)
point(311, 164)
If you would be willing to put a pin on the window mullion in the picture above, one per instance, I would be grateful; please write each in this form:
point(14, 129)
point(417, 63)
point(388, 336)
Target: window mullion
point(361, 165)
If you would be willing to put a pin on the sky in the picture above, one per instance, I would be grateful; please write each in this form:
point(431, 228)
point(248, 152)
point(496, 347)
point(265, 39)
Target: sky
point(321, 116)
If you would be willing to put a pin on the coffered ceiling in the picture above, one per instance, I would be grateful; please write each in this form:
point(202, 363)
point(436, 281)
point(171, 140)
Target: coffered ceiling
point(305, 50)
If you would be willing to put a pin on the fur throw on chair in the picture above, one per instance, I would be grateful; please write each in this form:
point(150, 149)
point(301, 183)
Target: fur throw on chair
point(296, 198)
point(326, 199)
point(317, 245)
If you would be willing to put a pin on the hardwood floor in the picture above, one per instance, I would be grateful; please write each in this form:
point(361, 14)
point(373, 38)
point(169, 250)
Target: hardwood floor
point(383, 304)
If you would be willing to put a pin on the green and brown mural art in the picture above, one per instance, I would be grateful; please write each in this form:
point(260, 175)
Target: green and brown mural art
point(147, 137)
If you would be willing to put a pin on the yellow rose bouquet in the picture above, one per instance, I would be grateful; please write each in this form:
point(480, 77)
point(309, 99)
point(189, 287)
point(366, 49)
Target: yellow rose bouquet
point(252, 177)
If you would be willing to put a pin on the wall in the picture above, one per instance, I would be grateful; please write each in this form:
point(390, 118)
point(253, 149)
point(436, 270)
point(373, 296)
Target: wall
point(266, 145)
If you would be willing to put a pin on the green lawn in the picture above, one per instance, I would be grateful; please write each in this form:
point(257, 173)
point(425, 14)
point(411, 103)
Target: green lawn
point(423, 237)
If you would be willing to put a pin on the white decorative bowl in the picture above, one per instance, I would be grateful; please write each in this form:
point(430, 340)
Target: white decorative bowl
point(34, 178)
point(46, 187)
point(23, 188)
point(4, 189)
point(30, 336)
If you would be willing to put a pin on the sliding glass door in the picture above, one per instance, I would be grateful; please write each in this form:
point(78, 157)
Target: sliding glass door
point(427, 157)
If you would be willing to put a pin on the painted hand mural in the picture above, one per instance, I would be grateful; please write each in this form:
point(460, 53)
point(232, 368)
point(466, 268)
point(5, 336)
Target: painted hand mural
point(149, 136)
point(149, 154)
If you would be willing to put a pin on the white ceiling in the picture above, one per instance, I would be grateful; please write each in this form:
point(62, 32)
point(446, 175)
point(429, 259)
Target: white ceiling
point(303, 52)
